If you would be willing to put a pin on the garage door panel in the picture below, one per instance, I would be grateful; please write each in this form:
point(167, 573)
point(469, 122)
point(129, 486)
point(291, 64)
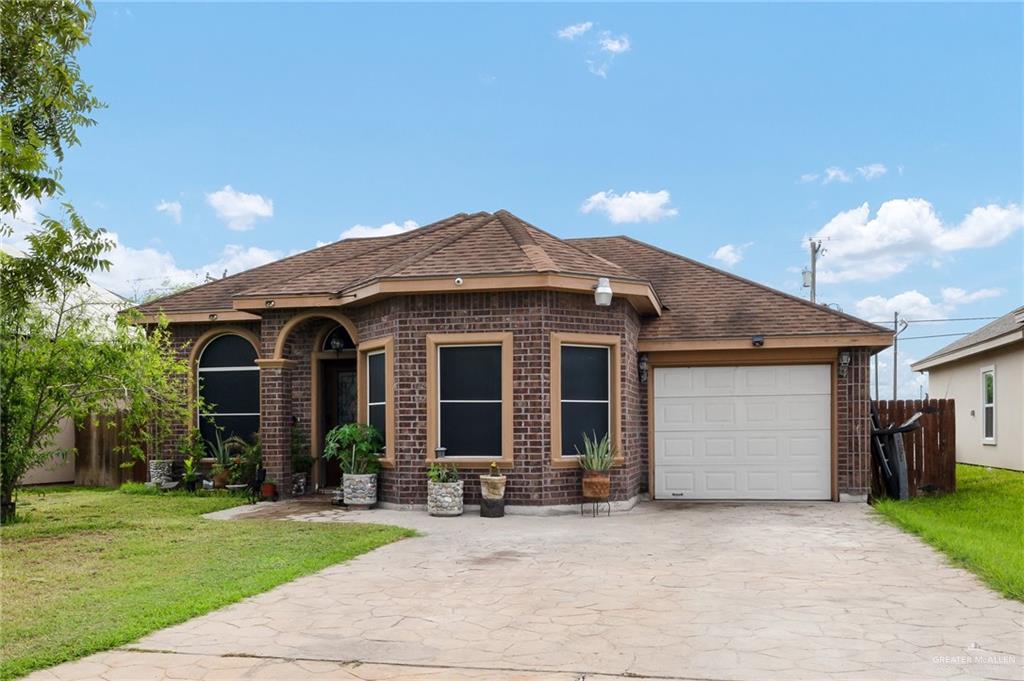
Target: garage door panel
point(814, 379)
point(743, 432)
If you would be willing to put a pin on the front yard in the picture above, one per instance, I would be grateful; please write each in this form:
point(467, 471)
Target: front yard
point(980, 527)
point(90, 569)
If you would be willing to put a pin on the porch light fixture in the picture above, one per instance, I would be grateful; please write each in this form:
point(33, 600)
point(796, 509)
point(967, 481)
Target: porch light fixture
point(603, 292)
point(642, 366)
point(213, 316)
point(268, 303)
point(337, 344)
point(844, 363)
point(757, 341)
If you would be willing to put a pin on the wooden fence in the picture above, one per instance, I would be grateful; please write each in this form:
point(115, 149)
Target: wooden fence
point(97, 463)
point(930, 449)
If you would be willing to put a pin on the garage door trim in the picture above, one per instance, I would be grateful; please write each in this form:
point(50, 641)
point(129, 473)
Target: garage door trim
point(745, 358)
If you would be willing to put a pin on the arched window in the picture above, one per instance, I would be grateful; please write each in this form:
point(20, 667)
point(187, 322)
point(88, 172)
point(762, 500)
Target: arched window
point(229, 384)
point(338, 340)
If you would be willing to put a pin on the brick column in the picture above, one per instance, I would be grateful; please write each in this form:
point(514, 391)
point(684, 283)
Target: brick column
point(276, 421)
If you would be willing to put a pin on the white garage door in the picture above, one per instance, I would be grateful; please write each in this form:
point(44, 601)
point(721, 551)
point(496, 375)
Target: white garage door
point(758, 432)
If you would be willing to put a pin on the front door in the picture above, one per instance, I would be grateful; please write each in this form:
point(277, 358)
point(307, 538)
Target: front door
point(339, 402)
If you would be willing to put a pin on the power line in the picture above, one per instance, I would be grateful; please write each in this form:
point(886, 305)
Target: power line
point(938, 335)
point(949, 319)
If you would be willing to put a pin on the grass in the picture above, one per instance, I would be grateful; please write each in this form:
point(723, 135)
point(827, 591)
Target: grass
point(87, 570)
point(980, 527)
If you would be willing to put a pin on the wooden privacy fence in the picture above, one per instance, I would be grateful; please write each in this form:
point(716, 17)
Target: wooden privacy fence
point(930, 449)
point(97, 463)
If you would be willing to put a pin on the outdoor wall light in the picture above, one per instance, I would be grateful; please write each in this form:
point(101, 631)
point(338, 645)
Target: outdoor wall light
point(337, 344)
point(642, 366)
point(757, 341)
point(844, 363)
point(268, 303)
point(603, 292)
point(213, 316)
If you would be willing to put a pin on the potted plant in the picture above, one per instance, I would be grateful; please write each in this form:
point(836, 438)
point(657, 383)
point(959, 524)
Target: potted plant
point(302, 462)
point(444, 490)
point(356, 446)
point(220, 450)
point(492, 493)
point(596, 462)
point(191, 473)
point(268, 490)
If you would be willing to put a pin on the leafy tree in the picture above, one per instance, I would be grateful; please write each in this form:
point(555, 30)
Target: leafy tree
point(63, 356)
point(43, 99)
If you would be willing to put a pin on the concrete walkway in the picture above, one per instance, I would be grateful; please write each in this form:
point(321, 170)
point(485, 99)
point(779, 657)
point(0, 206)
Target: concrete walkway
point(679, 591)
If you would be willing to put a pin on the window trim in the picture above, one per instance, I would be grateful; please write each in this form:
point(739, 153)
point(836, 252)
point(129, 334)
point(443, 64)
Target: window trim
point(614, 345)
point(435, 341)
point(985, 440)
point(377, 346)
point(196, 361)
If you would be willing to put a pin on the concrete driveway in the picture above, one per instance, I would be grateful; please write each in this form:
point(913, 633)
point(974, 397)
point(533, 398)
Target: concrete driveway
point(679, 591)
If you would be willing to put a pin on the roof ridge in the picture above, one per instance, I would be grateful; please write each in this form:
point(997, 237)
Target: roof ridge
point(570, 245)
point(419, 255)
point(534, 252)
point(761, 286)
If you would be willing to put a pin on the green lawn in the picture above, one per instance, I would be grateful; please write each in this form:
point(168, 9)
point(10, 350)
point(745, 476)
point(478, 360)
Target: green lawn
point(89, 569)
point(980, 527)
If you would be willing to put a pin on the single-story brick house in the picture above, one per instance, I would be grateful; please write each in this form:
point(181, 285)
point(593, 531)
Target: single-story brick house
point(479, 338)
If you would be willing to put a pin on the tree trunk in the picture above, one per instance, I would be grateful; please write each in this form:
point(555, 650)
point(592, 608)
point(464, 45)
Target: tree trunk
point(6, 507)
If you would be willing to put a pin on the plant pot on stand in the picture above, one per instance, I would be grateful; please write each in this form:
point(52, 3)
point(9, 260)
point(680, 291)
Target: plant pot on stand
point(492, 493)
point(596, 461)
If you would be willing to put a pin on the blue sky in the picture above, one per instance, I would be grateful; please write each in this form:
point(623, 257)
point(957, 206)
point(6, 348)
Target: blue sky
point(263, 129)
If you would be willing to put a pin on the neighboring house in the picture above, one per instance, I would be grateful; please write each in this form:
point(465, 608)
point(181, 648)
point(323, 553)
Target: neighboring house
point(479, 338)
point(103, 305)
point(984, 373)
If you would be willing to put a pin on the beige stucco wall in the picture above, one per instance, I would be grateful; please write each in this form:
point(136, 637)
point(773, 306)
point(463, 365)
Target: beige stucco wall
point(961, 381)
point(58, 469)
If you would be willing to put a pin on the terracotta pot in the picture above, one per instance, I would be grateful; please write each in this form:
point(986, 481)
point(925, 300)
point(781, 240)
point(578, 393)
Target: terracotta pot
point(268, 490)
point(597, 484)
point(492, 486)
point(220, 481)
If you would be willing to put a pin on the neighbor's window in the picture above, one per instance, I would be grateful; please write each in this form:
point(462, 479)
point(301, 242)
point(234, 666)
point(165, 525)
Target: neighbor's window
point(376, 392)
point(229, 385)
point(988, 404)
point(586, 395)
point(469, 400)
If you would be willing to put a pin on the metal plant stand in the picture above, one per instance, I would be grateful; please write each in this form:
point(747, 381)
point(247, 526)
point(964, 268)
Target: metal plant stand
point(596, 507)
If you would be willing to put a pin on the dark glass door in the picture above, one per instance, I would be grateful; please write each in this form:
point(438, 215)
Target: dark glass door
point(340, 392)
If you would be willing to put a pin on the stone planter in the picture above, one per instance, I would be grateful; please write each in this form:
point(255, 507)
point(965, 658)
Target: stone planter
point(299, 484)
point(359, 490)
point(161, 471)
point(444, 498)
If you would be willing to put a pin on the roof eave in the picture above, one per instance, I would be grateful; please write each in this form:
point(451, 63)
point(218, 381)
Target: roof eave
point(969, 351)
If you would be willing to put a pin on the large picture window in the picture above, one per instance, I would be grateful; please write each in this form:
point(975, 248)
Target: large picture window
point(229, 385)
point(988, 405)
point(585, 380)
point(470, 397)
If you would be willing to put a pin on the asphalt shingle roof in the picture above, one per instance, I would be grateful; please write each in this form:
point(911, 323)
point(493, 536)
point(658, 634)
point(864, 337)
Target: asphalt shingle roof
point(699, 301)
point(1000, 327)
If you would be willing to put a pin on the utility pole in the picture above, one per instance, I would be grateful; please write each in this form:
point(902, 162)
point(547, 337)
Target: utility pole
point(816, 250)
point(895, 350)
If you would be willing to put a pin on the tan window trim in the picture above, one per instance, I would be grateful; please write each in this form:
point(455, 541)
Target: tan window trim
point(367, 348)
point(437, 340)
point(614, 344)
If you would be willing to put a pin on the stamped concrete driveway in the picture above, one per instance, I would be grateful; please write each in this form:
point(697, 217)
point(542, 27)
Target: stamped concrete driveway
point(683, 591)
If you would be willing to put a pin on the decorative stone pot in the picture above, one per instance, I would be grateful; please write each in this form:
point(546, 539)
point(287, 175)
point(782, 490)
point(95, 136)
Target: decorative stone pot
point(597, 485)
point(360, 490)
point(298, 484)
point(444, 498)
point(161, 471)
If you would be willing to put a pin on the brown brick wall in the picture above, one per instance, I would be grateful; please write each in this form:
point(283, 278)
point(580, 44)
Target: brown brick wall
point(532, 316)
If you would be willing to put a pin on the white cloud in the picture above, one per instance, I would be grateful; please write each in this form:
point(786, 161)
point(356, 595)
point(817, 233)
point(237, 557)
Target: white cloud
point(172, 208)
point(731, 254)
point(807, 178)
point(604, 52)
point(631, 206)
point(612, 44)
point(836, 174)
point(913, 304)
point(238, 209)
point(574, 31)
point(872, 170)
point(388, 229)
point(903, 231)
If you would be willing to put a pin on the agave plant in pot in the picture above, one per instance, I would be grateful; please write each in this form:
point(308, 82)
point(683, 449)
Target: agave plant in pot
point(444, 490)
point(357, 448)
point(220, 450)
point(596, 462)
